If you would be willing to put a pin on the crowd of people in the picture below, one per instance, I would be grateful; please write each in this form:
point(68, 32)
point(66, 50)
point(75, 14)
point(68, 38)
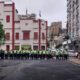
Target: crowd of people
point(25, 54)
point(61, 54)
point(34, 54)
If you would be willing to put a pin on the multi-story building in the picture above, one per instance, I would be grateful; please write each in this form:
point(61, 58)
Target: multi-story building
point(22, 31)
point(56, 28)
point(48, 36)
point(55, 31)
point(73, 18)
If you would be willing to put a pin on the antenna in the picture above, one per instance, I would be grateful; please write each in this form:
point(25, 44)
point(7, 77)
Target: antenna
point(26, 11)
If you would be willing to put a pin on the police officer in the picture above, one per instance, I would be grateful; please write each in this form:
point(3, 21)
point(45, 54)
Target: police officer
point(37, 54)
point(47, 55)
point(20, 52)
point(2, 54)
point(65, 55)
point(60, 54)
point(40, 54)
point(44, 54)
point(32, 56)
point(25, 53)
point(57, 54)
point(6, 54)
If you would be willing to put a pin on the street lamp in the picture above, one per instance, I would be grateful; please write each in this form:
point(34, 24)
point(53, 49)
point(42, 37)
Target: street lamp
point(68, 41)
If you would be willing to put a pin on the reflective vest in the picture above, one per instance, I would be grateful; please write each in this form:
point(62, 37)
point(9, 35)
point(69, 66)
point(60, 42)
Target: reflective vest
point(40, 52)
point(57, 52)
point(23, 51)
point(44, 52)
point(28, 51)
point(32, 52)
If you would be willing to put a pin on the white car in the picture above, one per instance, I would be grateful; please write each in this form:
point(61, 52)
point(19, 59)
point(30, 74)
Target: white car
point(72, 53)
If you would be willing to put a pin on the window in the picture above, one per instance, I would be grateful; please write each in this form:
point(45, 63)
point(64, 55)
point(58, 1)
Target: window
point(7, 36)
point(17, 36)
point(42, 47)
point(7, 18)
point(43, 36)
point(35, 35)
point(42, 24)
point(26, 35)
point(7, 47)
point(35, 47)
point(16, 47)
point(26, 47)
point(26, 23)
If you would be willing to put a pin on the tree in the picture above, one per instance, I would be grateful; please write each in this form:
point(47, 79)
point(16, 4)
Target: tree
point(2, 34)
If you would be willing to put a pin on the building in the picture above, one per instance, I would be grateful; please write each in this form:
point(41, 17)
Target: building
point(73, 23)
point(55, 31)
point(56, 28)
point(73, 18)
point(22, 31)
point(48, 36)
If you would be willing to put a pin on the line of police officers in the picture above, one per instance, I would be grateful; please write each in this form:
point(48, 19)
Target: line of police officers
point(33, 54)
point(61, 54)
point(25, 54)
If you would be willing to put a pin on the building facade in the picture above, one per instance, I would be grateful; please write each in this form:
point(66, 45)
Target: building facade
point(56, 28)
point(73, 18)
point(55, 31)
point(22, 31)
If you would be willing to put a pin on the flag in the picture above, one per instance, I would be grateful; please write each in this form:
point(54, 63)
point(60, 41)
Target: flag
point(39, 13)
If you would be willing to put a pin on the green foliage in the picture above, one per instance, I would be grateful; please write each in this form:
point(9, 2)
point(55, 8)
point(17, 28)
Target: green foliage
point(2, 35)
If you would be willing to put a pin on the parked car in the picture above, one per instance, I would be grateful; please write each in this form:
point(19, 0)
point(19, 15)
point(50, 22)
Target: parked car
point(72, 53)
point(78, 55)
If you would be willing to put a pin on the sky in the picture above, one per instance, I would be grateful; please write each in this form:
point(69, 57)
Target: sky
point(51, 10)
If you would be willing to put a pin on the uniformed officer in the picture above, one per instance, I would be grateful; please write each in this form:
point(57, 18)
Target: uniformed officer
point(2, 54)
point(57, 54)
point(32, 55)
point(40, 54)
point(37, 54)
point(44, 54)
point(11, 54)
point(26, 53)
point(14, 54)
point(6, 55)
point(20, 52)
point(47, 54)
point(65, 55)
point(60, 54)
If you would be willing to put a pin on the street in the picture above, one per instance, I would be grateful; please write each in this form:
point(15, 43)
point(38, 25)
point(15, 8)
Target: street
point(38, 70)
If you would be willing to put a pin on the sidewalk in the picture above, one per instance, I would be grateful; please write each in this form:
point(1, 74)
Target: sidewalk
point(75, 60)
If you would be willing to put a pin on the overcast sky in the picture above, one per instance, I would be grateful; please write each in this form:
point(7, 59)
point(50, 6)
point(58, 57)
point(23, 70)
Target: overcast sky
point(51, 10)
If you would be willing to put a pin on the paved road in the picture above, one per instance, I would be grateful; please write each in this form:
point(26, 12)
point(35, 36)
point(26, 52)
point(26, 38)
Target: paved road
point(39, 70)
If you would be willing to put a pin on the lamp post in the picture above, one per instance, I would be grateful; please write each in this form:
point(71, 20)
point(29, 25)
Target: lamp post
point(68, 41)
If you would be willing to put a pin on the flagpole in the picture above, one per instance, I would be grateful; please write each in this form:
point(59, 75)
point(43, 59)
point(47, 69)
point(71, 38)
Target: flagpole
point(39, 14)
